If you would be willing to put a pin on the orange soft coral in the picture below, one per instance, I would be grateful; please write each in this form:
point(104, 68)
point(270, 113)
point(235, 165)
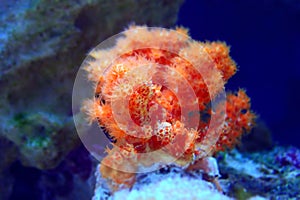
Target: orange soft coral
point(154, 95)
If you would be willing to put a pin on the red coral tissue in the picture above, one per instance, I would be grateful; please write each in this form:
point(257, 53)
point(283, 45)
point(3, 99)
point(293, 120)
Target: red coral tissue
point(156, 95)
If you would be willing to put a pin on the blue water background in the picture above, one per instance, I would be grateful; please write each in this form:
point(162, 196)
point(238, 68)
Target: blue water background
point(264, 36)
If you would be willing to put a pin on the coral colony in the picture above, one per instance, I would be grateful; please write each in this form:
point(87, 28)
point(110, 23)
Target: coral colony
point(158, 97)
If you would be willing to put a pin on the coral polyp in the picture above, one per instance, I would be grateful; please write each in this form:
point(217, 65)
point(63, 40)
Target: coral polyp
point(160, 97)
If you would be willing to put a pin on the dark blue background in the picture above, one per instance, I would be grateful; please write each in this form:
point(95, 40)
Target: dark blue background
point(264, 36)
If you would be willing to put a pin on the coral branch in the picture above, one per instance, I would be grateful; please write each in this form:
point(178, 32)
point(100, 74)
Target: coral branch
point(156, 92)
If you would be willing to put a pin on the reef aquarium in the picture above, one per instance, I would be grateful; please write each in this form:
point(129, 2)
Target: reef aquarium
point(140, 100)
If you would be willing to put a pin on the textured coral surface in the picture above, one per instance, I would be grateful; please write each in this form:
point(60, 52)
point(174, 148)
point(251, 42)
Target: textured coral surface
point(156, 94)
point(256, 175)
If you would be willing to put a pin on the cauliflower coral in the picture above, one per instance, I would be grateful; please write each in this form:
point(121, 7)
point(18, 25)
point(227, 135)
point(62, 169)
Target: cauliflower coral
point(159, 97)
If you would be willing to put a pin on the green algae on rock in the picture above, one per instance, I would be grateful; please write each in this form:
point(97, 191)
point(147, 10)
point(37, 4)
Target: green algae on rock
point(36, 135)
point(42, 44)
